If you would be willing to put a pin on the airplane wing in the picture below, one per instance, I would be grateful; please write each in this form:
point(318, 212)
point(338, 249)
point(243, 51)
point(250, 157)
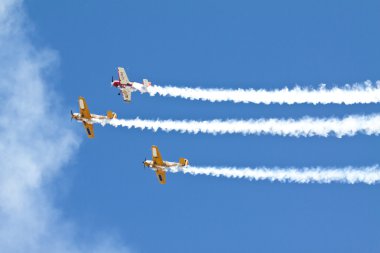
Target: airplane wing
point(89, 129)
point(156, 156)
point(127, 94)
point(122, 75)
point(84, 111)
point(161, 175)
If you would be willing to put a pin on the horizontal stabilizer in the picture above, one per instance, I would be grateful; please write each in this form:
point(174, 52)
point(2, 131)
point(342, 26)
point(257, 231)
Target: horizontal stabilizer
point(146, 83)
point(183, 162)
point(111, 115)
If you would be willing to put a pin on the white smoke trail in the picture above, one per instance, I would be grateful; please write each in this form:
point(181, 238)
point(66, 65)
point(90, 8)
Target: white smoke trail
point(349, 175)
point(304, 127)
point(364, 93)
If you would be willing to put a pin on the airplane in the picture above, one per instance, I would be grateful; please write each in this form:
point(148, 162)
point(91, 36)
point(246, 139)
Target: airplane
point(86, 117)
point(126, 87)
point(160, 166)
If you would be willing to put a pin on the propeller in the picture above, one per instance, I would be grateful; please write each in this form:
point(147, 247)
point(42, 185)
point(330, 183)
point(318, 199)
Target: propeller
point(112, 81)
point(72, 115)
point(144, 162)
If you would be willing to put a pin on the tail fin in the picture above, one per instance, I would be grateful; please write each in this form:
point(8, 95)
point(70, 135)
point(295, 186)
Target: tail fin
point(183, 162)
point(146, 83)
point(111, 115)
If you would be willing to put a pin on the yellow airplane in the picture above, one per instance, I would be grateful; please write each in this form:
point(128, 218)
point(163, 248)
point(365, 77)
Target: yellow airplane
point(86, 117)
point(160, 166)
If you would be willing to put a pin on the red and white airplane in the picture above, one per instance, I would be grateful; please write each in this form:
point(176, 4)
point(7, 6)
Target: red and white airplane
point(126, 87)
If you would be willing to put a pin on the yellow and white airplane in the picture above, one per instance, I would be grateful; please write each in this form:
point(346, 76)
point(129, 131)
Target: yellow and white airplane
point(86, 117)
point(160, 166)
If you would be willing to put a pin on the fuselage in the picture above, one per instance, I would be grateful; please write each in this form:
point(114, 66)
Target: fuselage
point(78, 117)
point(119, 85)
point(153, 166)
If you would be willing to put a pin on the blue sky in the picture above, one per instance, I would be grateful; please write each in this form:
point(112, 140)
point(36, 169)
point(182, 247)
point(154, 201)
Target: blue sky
point(225, 44)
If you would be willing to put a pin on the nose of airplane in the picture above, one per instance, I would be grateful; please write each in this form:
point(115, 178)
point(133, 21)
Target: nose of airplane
point(112, 84)
point(144, 163)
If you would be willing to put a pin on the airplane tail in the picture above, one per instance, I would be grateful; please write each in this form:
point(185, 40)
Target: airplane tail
point(183, 162)
point(111, 115)
point(146, 83)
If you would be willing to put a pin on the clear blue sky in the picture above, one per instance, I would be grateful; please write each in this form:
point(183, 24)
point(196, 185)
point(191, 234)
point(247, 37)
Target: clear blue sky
point(229, 44)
